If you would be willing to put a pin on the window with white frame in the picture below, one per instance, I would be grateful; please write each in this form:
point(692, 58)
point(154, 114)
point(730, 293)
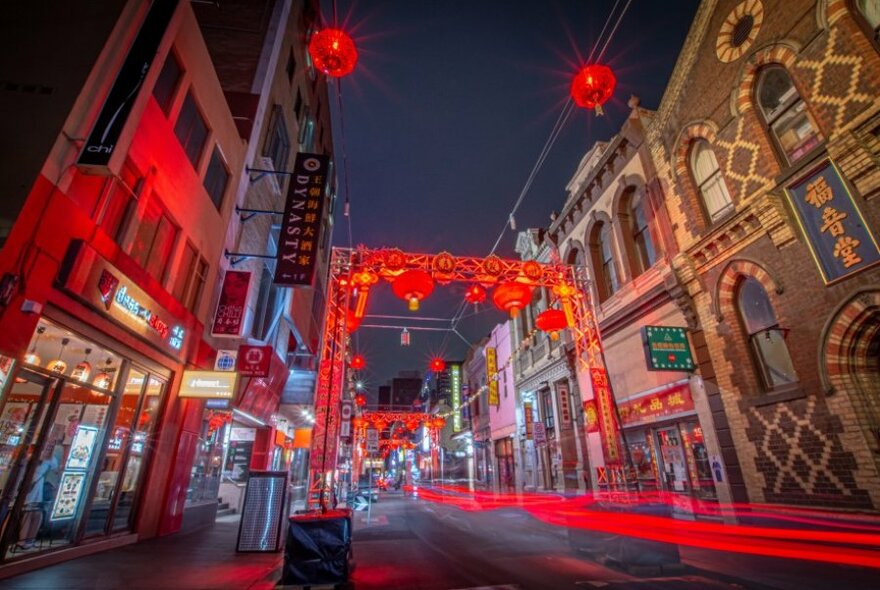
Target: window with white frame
point(709, 181)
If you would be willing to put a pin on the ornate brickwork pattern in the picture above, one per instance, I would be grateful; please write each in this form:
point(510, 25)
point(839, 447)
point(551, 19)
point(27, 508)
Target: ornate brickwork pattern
point(725, 293)
point(724, 44)
point(841, 84)
point(800, 455)
point(775, 54)
point(741, 157)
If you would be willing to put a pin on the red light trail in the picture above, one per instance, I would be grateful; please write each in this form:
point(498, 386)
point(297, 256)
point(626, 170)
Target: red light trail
point(846, 547)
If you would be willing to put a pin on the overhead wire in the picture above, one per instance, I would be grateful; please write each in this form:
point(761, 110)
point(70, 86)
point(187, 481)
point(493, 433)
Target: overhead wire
point(558, 126)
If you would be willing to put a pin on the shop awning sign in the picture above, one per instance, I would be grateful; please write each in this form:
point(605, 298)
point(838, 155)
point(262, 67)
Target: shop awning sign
point(650, 408)
point(667, 348)
point(208, 384)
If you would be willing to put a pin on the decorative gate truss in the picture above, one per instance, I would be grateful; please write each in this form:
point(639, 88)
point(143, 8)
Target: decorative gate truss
point(352, 274)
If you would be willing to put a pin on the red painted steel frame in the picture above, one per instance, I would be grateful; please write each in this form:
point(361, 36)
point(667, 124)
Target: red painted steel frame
point(570, 287)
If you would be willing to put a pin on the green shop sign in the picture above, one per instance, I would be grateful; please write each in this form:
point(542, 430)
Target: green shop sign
point(667, 348)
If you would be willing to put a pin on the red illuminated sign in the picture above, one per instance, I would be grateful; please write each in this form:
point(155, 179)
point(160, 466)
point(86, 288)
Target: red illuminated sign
point(607, 419)
point(229, 317)
point(664, 403)
point(253, 361)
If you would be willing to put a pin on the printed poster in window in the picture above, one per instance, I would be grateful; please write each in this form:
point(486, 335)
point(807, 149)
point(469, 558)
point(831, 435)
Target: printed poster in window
point(69, 416)
point(82, 448)
point(69, 491)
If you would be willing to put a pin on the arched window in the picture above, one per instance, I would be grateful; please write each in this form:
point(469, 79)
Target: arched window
point(644, 255)
point(786, 114)
point(710, 183)
point(766, 337)
point(606, 253)
point(869, 11)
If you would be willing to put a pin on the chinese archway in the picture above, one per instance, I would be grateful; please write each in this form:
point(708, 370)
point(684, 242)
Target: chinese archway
point(567, 283)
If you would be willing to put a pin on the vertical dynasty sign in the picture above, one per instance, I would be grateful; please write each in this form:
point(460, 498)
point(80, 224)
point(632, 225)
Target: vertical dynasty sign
point(301, 226)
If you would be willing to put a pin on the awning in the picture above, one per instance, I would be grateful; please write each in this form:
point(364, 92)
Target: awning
point(260, 396)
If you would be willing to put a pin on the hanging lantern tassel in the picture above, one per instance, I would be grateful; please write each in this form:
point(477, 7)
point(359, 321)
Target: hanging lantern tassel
point(512, 223)
point(413, 286)
point(404, 337)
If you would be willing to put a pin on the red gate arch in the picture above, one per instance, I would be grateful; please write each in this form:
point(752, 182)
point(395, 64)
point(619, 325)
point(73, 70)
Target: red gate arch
point(362, 267)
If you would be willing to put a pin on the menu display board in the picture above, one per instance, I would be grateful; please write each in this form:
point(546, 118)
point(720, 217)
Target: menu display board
point(69, 492)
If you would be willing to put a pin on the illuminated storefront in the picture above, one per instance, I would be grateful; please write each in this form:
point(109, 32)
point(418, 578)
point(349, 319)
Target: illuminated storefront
point(666, 442)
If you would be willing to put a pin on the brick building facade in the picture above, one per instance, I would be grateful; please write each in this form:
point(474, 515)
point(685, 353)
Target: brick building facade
point(768, 99)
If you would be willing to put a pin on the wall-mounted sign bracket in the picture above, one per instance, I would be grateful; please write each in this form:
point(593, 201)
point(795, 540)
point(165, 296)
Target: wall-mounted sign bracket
point(239, 257)
point(246, 214)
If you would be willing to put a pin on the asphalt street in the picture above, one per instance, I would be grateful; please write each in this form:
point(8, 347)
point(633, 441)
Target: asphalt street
point(413, 544)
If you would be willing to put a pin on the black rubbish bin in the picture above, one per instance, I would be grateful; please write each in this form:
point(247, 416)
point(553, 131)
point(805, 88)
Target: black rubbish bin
point(318, 548)
point(631, 553)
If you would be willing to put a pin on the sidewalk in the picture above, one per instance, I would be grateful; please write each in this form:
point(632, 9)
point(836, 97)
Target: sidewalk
point(202, 560)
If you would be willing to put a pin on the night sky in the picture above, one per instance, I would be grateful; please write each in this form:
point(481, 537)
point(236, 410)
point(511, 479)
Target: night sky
point(446, 114)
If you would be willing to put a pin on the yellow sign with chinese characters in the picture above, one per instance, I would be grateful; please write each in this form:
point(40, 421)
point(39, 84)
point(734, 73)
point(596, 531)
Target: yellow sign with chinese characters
point(492, 376)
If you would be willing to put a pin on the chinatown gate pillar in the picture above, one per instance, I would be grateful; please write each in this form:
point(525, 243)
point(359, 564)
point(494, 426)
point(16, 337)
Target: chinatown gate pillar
point(609, 459)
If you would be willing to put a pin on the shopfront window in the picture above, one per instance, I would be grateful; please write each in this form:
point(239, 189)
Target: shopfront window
point(72, 440)
point(204, 482)
point(698, 460)
point(53, 459)
point(642, 454)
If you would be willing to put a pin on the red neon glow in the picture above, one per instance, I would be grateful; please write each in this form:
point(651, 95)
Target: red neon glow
point(361, 400)
point(333, 52)
point(847, 547)
point(593, 86)
point(358, 362)
point(438, 365)
point(475, 294)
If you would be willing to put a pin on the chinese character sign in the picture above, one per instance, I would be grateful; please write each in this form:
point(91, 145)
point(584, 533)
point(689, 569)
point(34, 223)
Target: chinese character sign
point(608, 425)
point(492, 376)
point(667, 348)
point(232, 303)
point(301, 226)
point(658, 405)
point(838, 236)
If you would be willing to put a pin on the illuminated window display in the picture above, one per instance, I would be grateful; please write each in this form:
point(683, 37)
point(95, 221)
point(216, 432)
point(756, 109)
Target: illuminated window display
point(75, 423)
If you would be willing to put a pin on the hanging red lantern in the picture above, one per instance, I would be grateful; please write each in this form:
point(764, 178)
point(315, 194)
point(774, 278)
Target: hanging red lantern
point(512, 297)
point(439, 422)
point(593, 86)
point(551, 320)
point(438, 365)
point(475, 294)
point(361, 400)
point(358, 362)
point(413, 285)
point(333, 52)
point(352, 322)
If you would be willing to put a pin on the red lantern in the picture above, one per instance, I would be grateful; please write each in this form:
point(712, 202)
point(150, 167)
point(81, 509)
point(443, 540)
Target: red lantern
point(551, 321)
point(512, 297)
point(475, 294)
point(593, 86)
point(352, 322)
point(438, 364)
point(358, 362)
point(361, 400)
point(438, 422)
point(413, 285)
point(333, 52)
